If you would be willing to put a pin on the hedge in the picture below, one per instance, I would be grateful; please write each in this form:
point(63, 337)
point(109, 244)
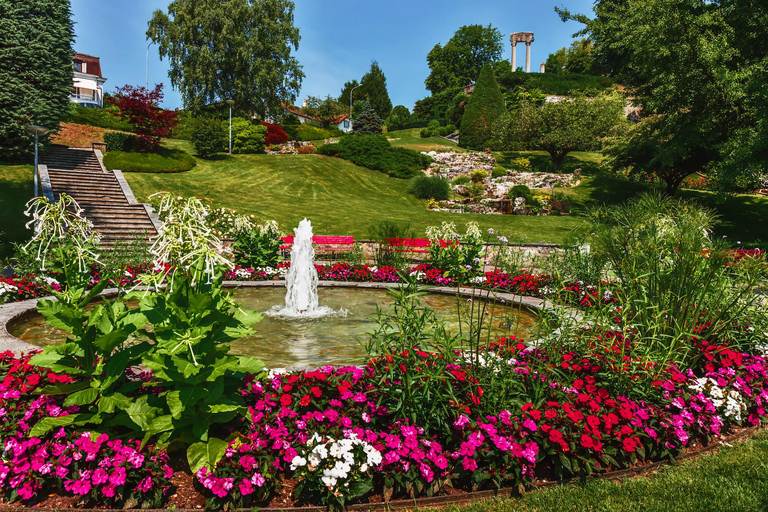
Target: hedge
point(375, 152)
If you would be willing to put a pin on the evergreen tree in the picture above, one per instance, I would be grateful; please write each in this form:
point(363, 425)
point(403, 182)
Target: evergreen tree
point(368, 122)
point(374, 89)
point(485, 105)
point(36, 39)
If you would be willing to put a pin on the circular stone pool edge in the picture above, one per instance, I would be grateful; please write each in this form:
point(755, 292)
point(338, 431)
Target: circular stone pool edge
point(21, 310)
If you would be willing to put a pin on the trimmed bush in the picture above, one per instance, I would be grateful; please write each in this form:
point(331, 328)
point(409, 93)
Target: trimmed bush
point(485, 106)
point(101, 117)
point(425, 187)
point(306, 132)
point(461, 179)
point(521, 191)
point(375, 152)
point(164, 161)
point(209, 137)
point(275, 134)
point(247, 137)
point(119, 141)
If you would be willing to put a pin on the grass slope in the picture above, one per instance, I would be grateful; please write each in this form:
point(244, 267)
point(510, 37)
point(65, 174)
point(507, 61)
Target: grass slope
point(340, 198)
point(16, 188)
point(411, 139)
point(732, 480)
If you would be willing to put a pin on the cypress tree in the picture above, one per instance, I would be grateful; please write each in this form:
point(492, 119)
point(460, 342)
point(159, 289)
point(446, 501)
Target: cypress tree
point(485, 105)
point(36, 39)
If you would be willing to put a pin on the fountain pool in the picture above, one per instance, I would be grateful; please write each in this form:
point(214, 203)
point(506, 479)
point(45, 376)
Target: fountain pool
point(313, 342)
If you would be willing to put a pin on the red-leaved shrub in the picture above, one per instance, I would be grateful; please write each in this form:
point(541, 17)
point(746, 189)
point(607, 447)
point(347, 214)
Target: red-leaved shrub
point(275, 134)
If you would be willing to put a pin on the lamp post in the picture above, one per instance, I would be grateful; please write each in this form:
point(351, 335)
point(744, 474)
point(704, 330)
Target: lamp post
point(350, 99)
point(35, 130)
point(230, 103)
point(147, 61)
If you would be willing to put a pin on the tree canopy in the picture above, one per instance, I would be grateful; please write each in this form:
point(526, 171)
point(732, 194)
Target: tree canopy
point(325, 109)
point(576, 58)
point(235, 49)
point(36, 53)
point(372, 88)
point(459, 61)
point(577, 124)
point(698, 69)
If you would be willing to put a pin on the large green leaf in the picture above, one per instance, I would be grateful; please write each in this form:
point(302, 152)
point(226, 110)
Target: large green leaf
point(63, 389)
point(109, 403)
point(250, 365)
point(161, 424)
point(60, 315)
point(109, 341)
point(84, 397)
point(142, 413)
point(205, 454)
point(46, 424)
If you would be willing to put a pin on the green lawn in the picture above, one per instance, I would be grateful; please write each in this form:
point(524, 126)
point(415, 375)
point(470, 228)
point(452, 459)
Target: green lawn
point(412, 140)
point(340, 198)
point(16, 188)
point(735, 479)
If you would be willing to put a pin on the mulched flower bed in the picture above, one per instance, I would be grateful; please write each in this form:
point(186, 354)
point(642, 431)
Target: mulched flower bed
point(310, 433)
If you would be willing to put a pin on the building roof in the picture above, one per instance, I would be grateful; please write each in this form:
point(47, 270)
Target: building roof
point(293, 109)
point(92, 64)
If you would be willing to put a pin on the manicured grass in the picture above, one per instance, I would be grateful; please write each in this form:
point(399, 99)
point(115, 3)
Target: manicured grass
point(733, 479)
point(16, 188)
point(412, 140)
point(167, 160)
point(340, 198)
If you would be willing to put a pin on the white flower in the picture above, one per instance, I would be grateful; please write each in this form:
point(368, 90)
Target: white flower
point(298, 462)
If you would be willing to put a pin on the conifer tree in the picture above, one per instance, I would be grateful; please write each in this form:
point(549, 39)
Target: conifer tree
point(374, 89)
point(485, 105)
point(36, 39)
point(369, 122)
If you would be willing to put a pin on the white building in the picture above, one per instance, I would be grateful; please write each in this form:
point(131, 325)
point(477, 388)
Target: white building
point(87, 82)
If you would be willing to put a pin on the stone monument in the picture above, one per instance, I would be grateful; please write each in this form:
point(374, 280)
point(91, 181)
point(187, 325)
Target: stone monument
point(521, 37)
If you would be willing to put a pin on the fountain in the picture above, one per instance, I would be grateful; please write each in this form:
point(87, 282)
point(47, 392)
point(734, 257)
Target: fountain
point(301, 280)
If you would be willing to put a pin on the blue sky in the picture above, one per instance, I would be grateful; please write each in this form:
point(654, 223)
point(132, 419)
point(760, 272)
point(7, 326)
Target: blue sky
point(339, 38)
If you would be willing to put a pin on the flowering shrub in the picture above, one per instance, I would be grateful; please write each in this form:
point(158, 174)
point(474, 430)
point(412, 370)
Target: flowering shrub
point(458, 254)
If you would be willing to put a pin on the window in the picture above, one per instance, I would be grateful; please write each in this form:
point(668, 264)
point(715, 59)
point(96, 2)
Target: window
point(79, 66)
point(346, 123)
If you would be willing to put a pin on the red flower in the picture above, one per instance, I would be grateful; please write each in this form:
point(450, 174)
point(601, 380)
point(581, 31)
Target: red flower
point(629, 444)
point(286, 400)
point(315, 391)
point(304, 400)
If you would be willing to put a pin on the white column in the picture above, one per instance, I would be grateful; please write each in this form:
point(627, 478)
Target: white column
point(542, 68)
point(514, 57)
point(527, 57)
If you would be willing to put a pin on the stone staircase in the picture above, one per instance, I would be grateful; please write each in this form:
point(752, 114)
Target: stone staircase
point(104, 196)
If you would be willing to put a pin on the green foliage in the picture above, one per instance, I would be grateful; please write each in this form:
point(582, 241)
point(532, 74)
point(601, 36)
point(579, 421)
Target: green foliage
point(455, 111)
point(478, 176)
point(306, 132)
point(120, 141)
point(476, 190)
point(36, 38)
point(252, 62)
point(369, 122)
point(461, 179)
point(575, 59)
point(325, 109)
point(521, 191)
point(209, 137)
point(561, 84)
point(458, 254)
point(385, 253)
point(426, 187)
point(164, 161)
point(577, 124)
point(247, 137)
point(458, 63)
point(485, 106)
point(437, 105)
point(712, 126)
point(522, 164)
point(101, 117)
point(375, 152)
point(398, 118)
point(435, 130)
point(373, 89)
point(257, 246)
point(665, 259)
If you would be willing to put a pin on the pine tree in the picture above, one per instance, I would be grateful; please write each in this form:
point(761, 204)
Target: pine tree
point(374, 89)
point(36, 39)
point(369, 122)
point(485, 105)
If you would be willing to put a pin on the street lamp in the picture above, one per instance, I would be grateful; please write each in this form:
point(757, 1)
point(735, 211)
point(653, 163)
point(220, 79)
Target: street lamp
point(230, 103)
point(147, 61)
point(350, 100)
point(37, 131)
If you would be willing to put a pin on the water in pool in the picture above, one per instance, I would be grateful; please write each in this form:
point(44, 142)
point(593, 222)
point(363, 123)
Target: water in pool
point(281, 342)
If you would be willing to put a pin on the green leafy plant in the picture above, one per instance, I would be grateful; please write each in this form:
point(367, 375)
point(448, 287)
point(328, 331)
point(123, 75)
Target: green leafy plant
point(459, 255)
point(426, 187)
point(257, 246)
point(208, 137)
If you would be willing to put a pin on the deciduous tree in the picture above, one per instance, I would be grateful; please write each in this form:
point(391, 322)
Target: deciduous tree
point(35, 69)
point(458, 63)
point(233, 49)
point(141, 109)
point(398, 118)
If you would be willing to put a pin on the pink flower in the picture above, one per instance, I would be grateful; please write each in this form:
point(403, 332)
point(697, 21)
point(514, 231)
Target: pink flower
point(246, 487)
point(117, 477)
point(257, 479)
point(81, 487)
point(145, 485)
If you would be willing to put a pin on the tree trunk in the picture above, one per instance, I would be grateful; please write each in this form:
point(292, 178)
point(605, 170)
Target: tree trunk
point(557, 161)
point(672, 185)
